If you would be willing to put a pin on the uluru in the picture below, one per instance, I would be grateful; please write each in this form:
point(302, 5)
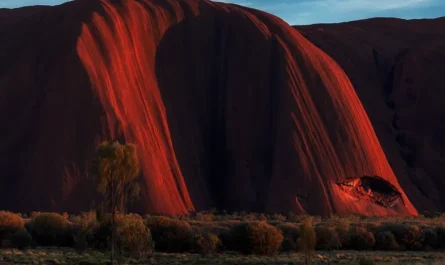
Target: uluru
point(229, 108)
point(396, 68)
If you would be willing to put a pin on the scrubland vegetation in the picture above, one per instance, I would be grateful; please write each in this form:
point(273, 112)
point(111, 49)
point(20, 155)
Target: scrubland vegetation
point(210, 238)
point(98, 236)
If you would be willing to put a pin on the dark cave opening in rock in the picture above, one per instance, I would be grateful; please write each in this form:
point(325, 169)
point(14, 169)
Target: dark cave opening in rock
point(372, 188)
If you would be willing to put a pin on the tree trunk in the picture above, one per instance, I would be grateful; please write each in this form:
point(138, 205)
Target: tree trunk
point(113, 211)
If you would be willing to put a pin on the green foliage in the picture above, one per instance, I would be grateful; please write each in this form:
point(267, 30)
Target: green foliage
point(85, 220)
point(308, 239)
point(430, 239)
point(206, 242)
point(223, 233)
point(342, 226)
point(9, 223)
point(116, 168)
point(21, 239)
point(412, 238)
point(171, 235)
point(201, 232)
point(134, 238)
point(344, 236)
point(85, 225)
point(291, 233)
point(256, 238)
point(50, 229)
point(361, 239)
point(409, 237)
point(204, 217)
point(385, 240)
point(278, 217)
point(327, 238)
point(100, 237)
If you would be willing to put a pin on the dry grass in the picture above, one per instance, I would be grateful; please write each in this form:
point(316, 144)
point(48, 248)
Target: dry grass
point(66, 256)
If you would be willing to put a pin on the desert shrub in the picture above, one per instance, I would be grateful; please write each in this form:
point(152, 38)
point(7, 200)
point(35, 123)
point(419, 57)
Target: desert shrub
point(278, 217)
point(229, 224)
point(171, 235)
point(327, 238)
point(204, 217)
point(255, 217)
point(6, 242)
point(292, 217)
point(399, 231)
point(396, 229)
point(289, 245)
point(342, 225)
point(85, 225)
point(50, 229)
point(29, 226)
point(365, 261)
point(290, 230)
point(206, 242)
point(430, 239)
point(335, 220)
point(361, 239)
point(344, 236)
point(80, 239)
point(98, 233)
point(291, 234)
point(262, 217)
point(133, 237)
point(385, 240)
point(371, 226)
point(440, 231)
point(256, 238)
point(85, 219)
point(308, 239)
point(9, 224)
point(412, 238)
point(224, 235)
point(409, 237)
point(99, 238)
point(21, 239)
point(34, 214)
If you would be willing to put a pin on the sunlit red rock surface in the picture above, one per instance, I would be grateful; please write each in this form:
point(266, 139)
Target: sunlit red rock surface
point(229, 107)
point(397, 69)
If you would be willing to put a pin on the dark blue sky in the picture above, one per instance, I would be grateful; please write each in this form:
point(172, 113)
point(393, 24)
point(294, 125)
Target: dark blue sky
point(299, 12)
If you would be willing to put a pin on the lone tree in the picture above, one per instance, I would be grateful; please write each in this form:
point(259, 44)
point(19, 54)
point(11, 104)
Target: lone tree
point(116, 168)
point(308, 239)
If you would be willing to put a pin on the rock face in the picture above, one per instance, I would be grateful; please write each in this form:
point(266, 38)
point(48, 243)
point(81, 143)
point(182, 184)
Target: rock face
point(229, 107)
point(396, 67)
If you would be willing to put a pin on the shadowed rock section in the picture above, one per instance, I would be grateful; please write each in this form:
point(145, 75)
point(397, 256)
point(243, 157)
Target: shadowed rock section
point(229, 108)
point(396, 67)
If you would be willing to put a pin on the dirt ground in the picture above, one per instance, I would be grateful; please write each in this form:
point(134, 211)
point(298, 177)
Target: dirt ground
point(67, 256)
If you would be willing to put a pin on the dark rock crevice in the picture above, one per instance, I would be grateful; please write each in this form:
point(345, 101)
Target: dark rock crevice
point(374, 189)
